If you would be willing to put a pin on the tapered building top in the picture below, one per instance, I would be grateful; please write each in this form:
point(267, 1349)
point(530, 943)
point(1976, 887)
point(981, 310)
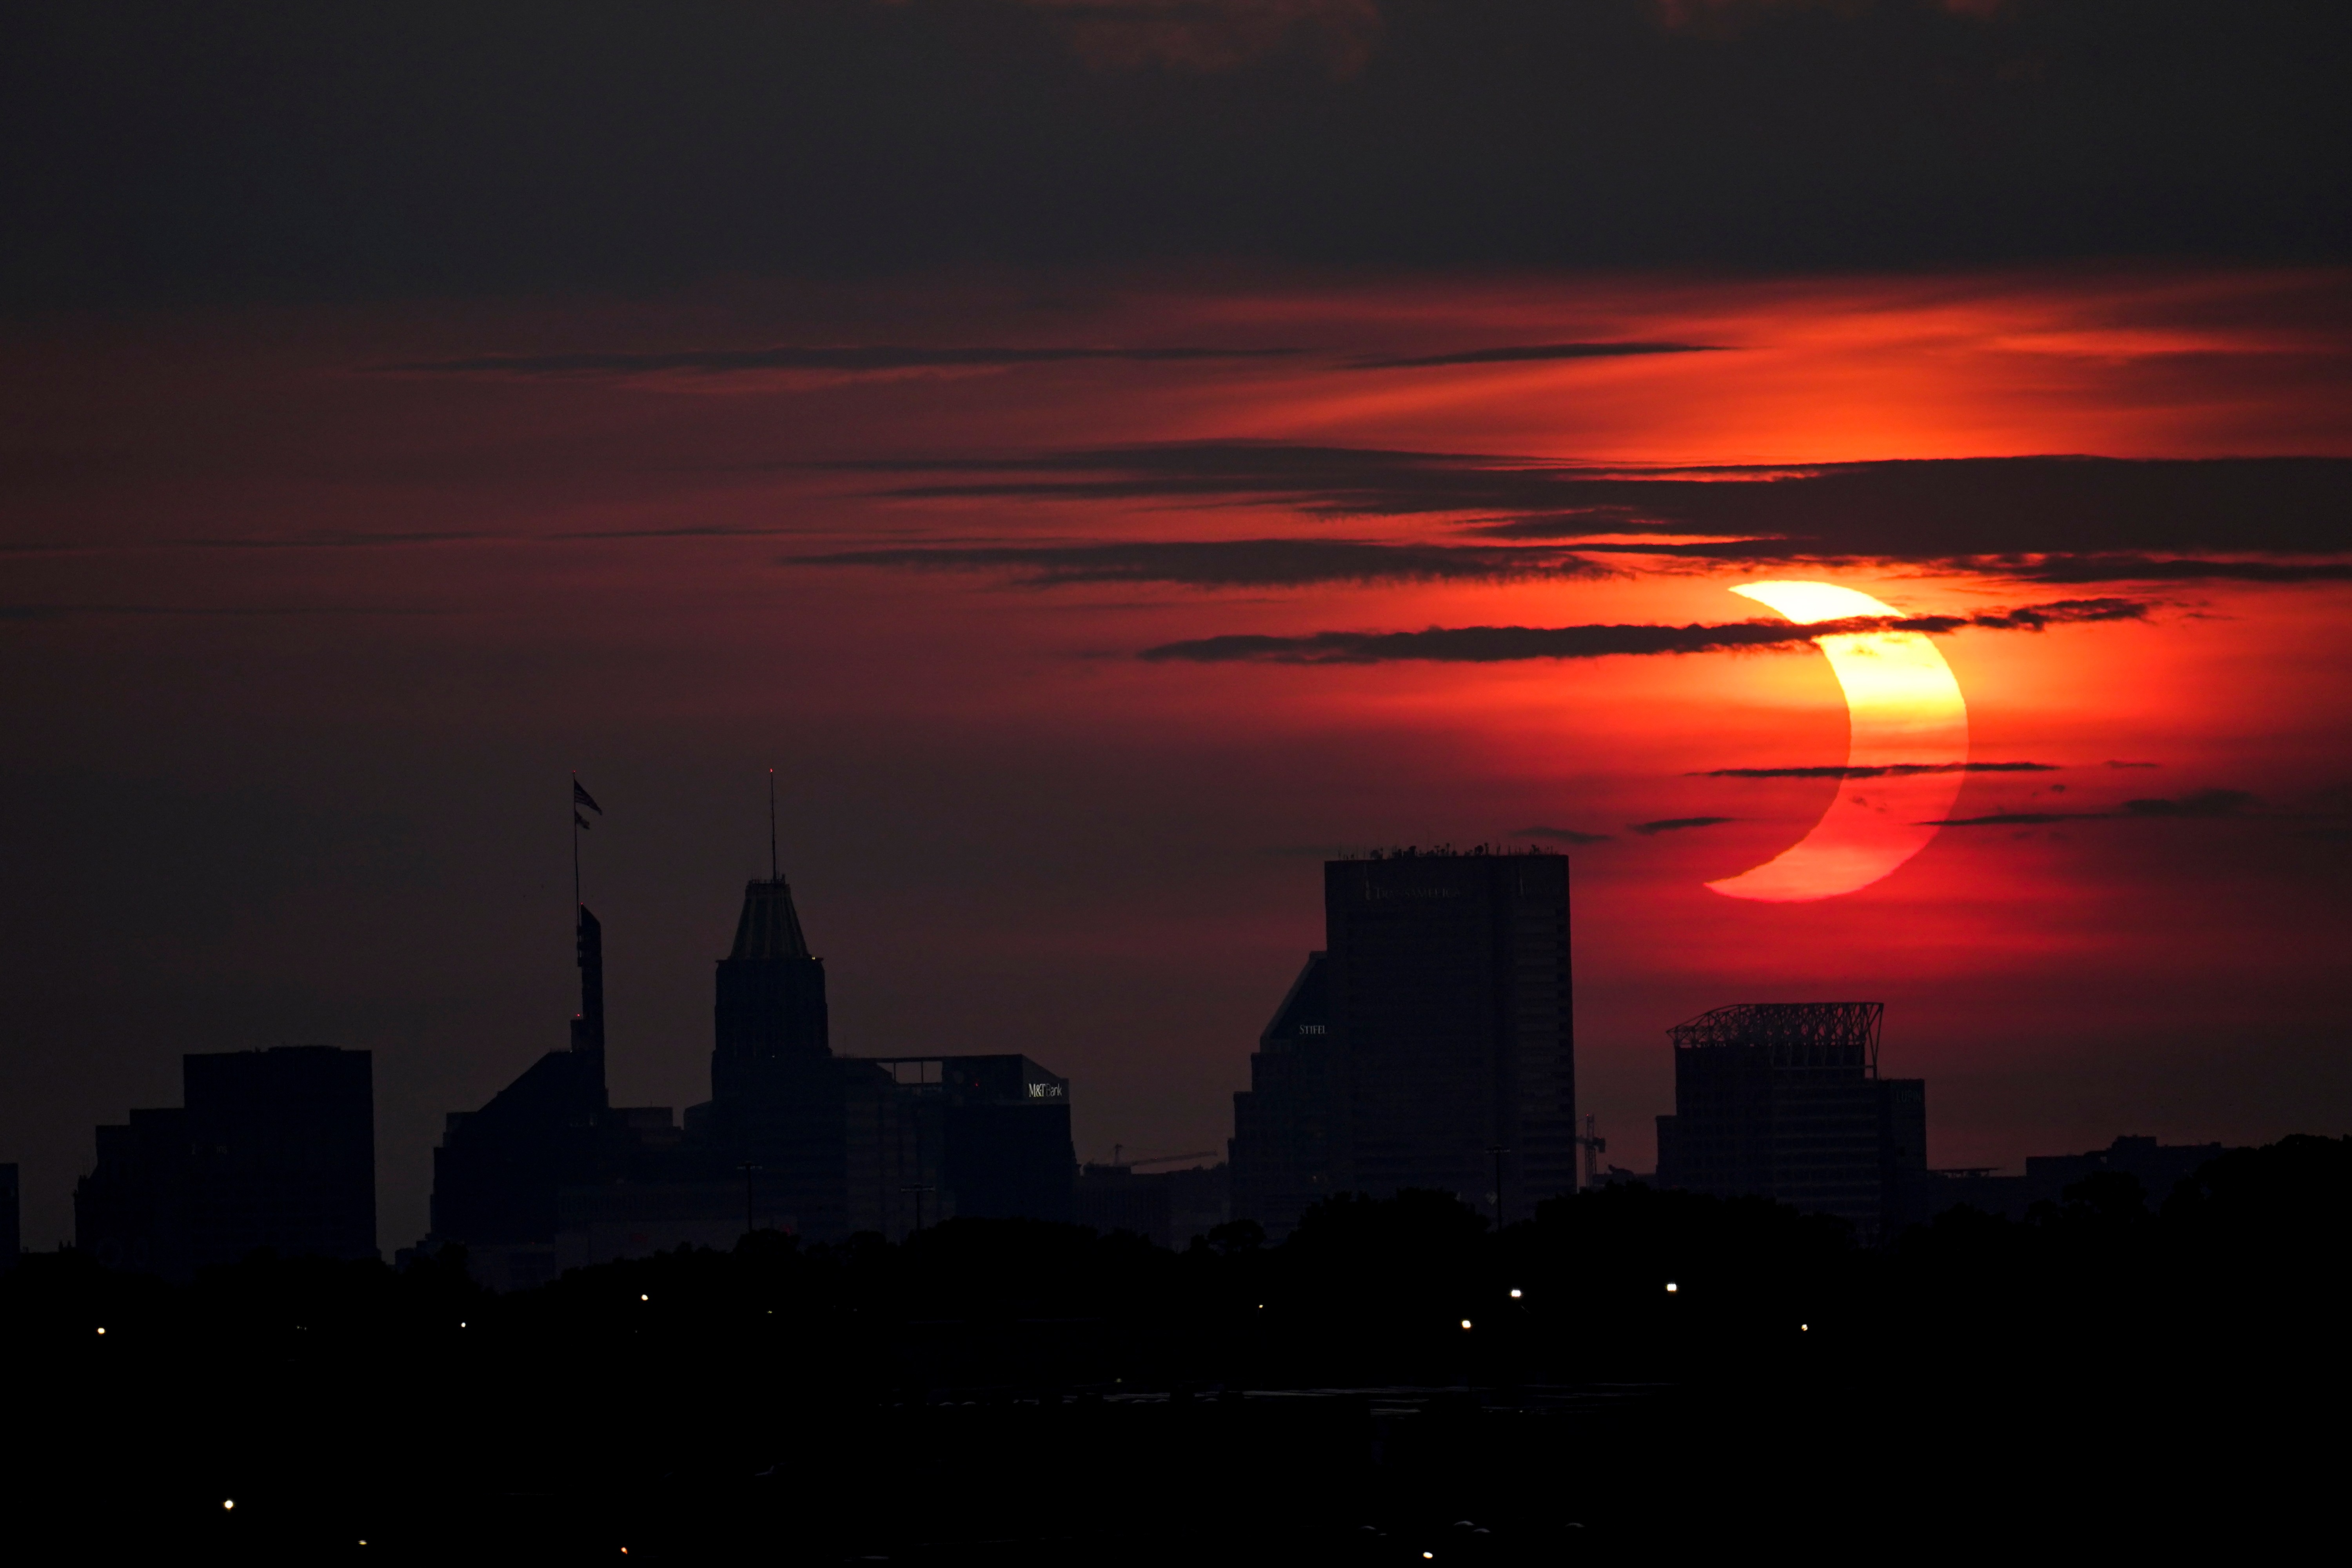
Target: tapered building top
point(769, 927)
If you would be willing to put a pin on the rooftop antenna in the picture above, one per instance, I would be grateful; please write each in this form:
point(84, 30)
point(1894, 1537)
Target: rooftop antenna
point(772, 825)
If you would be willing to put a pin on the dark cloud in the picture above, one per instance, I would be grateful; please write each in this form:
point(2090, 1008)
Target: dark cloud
point(2152, 569)
point(231, 612)
point(1675, 825)
point(2092, 517)
point(1564, 834)
point(1327, 480)
point(2080, 518)
point(1494, 645)
point(299, 541)
point(2199, 803)
point(2116, 764)
point(1231, 563)
point(872, 359)
point(394, 541)
point(2202, 803)
point(1533, 352)
point(328, 148)
point(1891, 771)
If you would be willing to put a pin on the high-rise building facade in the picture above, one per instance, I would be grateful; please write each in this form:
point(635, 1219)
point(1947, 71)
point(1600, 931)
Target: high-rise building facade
point(497, 1171)
point(1451, 1010)
point(281, 1153)
point(128, 1212)
point(1783, 1100)
point(777, 1093)
point(549, 1175)
point(273, 1149)
point(1431, 1046)
point(1281, 1153)
point(500, 1172)
point(936, 1138)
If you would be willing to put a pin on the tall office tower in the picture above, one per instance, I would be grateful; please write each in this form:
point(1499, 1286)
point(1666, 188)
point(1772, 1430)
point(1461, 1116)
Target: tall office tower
point(281, 1153)
point(12, 1235)
point(776, 1093)
point(499, 1169)
point(1280, 1153)
point(1783, 1100)
point(934, 1138)
point(274, 1148)
point(1453, 1041)
point(128, 1210)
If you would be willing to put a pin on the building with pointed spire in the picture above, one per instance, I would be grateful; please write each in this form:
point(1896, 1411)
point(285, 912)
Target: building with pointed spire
point(776, 1089)
point(550, 1175)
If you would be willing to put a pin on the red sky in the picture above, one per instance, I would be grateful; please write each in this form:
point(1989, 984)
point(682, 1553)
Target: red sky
point(311, 611)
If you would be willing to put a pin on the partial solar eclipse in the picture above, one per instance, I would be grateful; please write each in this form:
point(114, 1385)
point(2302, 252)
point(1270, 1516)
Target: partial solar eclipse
point(1903, 710)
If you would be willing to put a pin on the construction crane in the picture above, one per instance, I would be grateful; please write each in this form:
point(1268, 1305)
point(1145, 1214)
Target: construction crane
point(1592, 1146)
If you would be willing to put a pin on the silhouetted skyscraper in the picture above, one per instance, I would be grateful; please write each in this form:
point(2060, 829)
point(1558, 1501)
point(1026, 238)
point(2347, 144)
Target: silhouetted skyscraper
point(776, 1092)
point(935, 1138)
point(1281, 1151)
point(1450, 1005)
point(274, 1148)
point(1433, 1039)
point(499, 1170)
point(281, 1153)
point(128, 1212)
point(1783, 1100)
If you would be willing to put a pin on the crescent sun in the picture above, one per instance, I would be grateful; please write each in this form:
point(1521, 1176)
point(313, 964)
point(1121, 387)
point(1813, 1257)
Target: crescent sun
point(1904, 709)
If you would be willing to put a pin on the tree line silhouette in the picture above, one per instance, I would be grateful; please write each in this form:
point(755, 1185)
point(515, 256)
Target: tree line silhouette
point(1395, 1377)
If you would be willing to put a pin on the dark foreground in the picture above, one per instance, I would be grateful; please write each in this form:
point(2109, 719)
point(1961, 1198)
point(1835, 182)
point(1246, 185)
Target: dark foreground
point(2101, 1378)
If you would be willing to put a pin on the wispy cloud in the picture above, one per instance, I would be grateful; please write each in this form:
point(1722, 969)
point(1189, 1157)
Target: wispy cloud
point(1492, 644)
point(1231, 562)
point(2070, 517)
point(2113, 568)
point(2205, 805)
point(1675, 824)
point(1564, 834)
point(1521, 353)
point(85, 612)
point(842, 359)
point(1887, 771)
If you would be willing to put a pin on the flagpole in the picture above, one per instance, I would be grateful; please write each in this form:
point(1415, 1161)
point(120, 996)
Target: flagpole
point(772, 825)
point(575, 805)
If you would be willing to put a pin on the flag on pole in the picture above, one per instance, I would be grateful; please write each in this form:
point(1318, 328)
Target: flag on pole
point(582, 797)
